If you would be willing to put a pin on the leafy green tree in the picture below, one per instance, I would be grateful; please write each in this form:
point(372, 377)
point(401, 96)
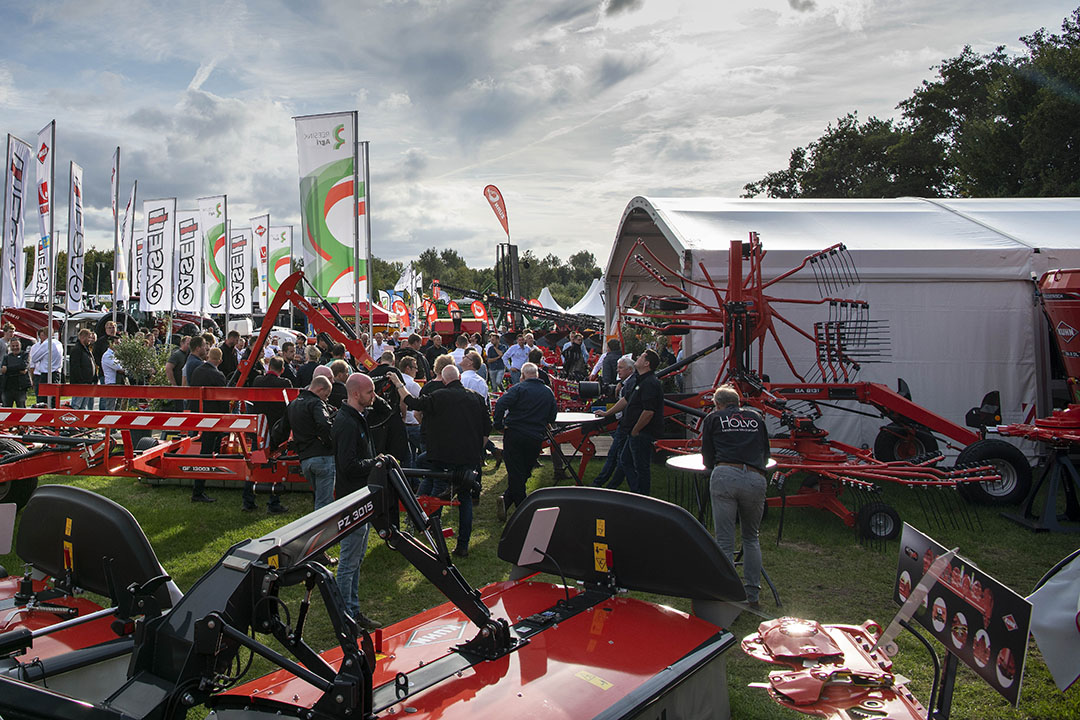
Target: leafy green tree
point(991, 125)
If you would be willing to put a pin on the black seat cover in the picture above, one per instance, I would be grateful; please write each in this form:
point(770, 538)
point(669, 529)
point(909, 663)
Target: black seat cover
point(655, 546)
point(96, 528)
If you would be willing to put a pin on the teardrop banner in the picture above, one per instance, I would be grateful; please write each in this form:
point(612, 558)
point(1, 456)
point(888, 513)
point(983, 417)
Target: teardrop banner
point(498, 206)
point(479, 311)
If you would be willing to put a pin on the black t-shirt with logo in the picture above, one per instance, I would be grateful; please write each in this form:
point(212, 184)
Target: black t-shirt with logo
point(735, 435)
point(647, 394)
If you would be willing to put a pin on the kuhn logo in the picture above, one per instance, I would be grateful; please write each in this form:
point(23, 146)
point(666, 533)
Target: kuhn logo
point(69, 419)
point(1065, 331)
point(430, 634)
point(493, 195)
point(43, 153)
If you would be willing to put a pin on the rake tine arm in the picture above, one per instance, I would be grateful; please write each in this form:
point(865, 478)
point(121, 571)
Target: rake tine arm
point(800, 266)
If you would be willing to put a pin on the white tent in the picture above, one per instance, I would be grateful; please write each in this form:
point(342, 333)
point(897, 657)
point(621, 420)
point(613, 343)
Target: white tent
point(592, 302)
point(951, 278)
point(548, 301)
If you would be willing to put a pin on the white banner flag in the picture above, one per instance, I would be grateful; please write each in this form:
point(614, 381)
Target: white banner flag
point(240, 262)
point(213, 213)
point(39, 282)
point(74, 287)
point(156, 255)
point(260, 233)
point(279, 252)
point(187, 272)
point(122, 275)
point(14, 267)
point(329, 192)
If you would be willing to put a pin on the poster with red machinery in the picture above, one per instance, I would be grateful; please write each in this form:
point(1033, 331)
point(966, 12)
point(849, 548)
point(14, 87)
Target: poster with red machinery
point(979, 620)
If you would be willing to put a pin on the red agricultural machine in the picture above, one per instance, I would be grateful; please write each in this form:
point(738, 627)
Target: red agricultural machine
point(745, 316)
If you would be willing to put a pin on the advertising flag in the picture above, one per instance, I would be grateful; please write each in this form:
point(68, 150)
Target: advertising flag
point(479, 311)
point(329, 189)
point(39, 282)
point(498, 206)
point(187, 267)
point(137, 278)
point(121, 279)
point(402, 312)
point(260, 232)
point(157, 255)
point(279, 252)
point(15, 178)
point(213, 212)
point(74, 296)
point(431, 312)
point(240, 257)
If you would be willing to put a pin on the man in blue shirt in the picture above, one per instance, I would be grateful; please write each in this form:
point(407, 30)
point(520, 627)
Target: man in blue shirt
point(524, 411)
point(515, 357)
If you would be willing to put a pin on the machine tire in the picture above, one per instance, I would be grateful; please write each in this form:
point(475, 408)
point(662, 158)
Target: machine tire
point(670, 304)
point(1014, 468)
point(902, 442)
point(878, 521)
point(189, 329)
point(146, 443)
point(15, 491)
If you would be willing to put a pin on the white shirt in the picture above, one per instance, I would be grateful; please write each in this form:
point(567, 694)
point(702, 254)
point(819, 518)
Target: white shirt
point(110, 365)
point(516, 356)
point(471, 380)
point(39, 356)
point(459, 355)
point(414, 389)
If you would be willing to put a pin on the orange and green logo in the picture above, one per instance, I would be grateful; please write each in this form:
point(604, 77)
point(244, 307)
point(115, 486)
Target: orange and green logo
point(337, 136)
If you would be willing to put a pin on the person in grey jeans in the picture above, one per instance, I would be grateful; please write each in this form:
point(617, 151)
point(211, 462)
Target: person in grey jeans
point(735, 450)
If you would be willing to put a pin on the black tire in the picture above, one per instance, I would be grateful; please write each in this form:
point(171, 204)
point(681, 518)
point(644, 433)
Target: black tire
point(146, 443)
point(1012, 465)
point(15, 491)
point(189, 329)
point(903, 442)
point(878, 521)
point(670, 304)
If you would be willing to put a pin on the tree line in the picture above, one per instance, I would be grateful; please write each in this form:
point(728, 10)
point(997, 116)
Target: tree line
point(989, 125)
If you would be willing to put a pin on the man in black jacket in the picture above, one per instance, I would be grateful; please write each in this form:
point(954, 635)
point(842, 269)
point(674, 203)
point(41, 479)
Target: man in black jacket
point(101, 345)
point(525, 411)
point(309, 417)
point(354, 458)
point(458, 425)
point(273, 411)
point(208, 375)
point(288, 354)
point(81, 369)
point(230, 357)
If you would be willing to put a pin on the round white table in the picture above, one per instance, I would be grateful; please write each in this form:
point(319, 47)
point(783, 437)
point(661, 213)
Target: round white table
point(695, 463)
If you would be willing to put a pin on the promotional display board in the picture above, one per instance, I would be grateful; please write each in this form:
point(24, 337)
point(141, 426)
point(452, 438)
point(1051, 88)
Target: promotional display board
point(75, 248)
point(187, 267)
point(979, 620)
point(39, 281)
point(14, 270)
point(279, 252)
point(260, 233)
point(157, 255)
point(213, 213)
point(329, 192)
point(240, 257)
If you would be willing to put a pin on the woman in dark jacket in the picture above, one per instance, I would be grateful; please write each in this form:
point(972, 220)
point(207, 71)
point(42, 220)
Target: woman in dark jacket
point(16, 374)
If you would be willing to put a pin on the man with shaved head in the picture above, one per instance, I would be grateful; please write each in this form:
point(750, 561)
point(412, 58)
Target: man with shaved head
point(458, 425)
point(354, 458)
point(309, 418)
point(525, 411)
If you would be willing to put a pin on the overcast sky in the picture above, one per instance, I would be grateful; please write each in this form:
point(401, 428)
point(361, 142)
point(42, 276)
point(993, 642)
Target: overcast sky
point(571, 107)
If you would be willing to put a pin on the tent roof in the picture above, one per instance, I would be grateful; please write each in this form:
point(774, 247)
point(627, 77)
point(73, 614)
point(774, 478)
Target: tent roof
point(592, 302)
point(903, 237)
point(548, 301)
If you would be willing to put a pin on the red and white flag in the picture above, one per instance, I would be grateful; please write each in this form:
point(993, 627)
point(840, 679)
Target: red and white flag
point(260, 230)
point(43, 254)
point(479, 311)
point(498, 206)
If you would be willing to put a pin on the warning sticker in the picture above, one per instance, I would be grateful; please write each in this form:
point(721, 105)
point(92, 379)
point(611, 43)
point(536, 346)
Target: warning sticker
point(67, 527)
point(69, 556)
point(600, 557)
point(601, 527)
point(594, 680)
point(273, 561)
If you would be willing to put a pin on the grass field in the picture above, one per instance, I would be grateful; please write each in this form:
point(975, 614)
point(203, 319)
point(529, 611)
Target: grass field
point(819, 569)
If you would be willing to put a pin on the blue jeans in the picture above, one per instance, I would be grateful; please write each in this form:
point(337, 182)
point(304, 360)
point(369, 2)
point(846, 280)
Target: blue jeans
point(635, 460)
point(416, 443)
point(353, 549)
point(465, 508)
point(515, 376)
point(108, 403)
point(320, 473)
point(495, 378)
point(739, 492)
point(82, 403)
point(611, 475)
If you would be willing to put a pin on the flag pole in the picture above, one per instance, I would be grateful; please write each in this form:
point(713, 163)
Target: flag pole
point(52, 254)
point(356, 228)
point(116, 234)
point(368, 269)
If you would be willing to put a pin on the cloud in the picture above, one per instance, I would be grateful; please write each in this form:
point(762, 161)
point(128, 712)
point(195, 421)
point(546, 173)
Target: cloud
point(614, 7)
point(201, 75)
point(802, 5)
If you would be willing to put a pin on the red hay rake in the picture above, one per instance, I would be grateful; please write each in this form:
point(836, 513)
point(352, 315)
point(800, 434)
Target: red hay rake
point(745, 315)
